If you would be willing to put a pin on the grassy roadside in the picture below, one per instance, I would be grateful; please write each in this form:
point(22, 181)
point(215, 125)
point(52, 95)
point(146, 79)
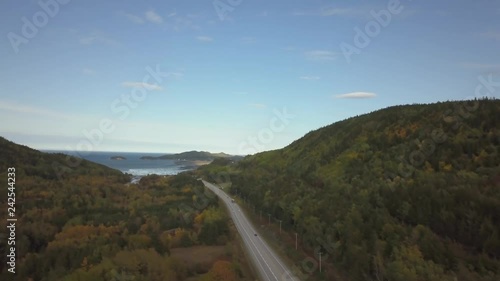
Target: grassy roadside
point(302, 260)
point(284, 245)
point(239, 256)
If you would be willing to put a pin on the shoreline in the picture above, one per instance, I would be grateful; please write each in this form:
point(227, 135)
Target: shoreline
point(184, 165)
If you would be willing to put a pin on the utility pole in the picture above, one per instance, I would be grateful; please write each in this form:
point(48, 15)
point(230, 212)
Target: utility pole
point(295, 240)
point(269, 221)
point(319, 261)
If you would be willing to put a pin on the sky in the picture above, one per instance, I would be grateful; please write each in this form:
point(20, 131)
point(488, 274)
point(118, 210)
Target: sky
point(234, 76)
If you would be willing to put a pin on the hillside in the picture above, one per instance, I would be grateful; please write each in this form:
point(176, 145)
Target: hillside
point(192, 156)
point(404, 193)
point(77, 220)
point(50, 166)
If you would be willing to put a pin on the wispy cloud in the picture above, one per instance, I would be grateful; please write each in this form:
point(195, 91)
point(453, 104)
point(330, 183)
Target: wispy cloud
point(290, 48)
point(27, 109)
point(482, 66)
point(327, 12)
point(410, 12)
point(205, 39)
point(133, 18)
point(257, 105)
point(263, 14)
point(356, 95)
point(173, 20)
point(147, 86)
point(88, 71)
point(177, 22)
point(302, 13)
point(175, 75)
point(310, 78)
point(485, 68)
point(321, 55)
point(248, 40)
point(97, 37)
point(153, 17)
point(330, 11)
point(87, 40)
point(491, 35)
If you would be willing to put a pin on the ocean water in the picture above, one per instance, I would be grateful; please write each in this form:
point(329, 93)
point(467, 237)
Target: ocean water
point(133, 164)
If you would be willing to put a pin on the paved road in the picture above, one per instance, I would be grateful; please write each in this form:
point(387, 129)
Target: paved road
point(270, 267)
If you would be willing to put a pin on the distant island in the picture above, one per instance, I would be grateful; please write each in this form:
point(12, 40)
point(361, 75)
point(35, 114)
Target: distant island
point(117, 158)
point(193, 156)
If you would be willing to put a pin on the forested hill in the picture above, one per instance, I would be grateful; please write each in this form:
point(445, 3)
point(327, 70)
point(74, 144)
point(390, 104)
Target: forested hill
point(404, 193)
point(29, 162)
point(77, 220)
point(193, 155)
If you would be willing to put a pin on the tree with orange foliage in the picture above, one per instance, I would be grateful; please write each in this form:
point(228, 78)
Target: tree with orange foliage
point(222, 271)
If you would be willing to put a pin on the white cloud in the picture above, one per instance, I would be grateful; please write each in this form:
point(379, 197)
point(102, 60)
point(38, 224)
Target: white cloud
point(257, 105)
point(302, 13)
point(147, 86)
point(321, 55)
point(88, 71)
point(335, 12)
point(481, 65)
point(175, 75)
point(248, 40)
point(263, 14)
point(491, 35)
point(410, 12)
point(330, 11)
point(153, 17)
point(97, 37)
point(310, 78)
point(356, 95)
point(27, 109)
point(134, 18)
point(173, 20)
point(178, 23)
point(87, 40)
point(204, 39)
point(483, 68)
point(290, 48)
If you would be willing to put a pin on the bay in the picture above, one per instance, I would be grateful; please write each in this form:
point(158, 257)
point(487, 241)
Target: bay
point(132, 164)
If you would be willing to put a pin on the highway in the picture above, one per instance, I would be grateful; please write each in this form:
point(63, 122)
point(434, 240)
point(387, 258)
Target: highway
point(269, 266)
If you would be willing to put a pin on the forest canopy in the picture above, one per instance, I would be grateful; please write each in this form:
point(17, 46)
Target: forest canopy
point(405, 193)
point(78, 220)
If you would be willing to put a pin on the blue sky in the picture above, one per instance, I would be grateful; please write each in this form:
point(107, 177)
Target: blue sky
point(237, 76)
